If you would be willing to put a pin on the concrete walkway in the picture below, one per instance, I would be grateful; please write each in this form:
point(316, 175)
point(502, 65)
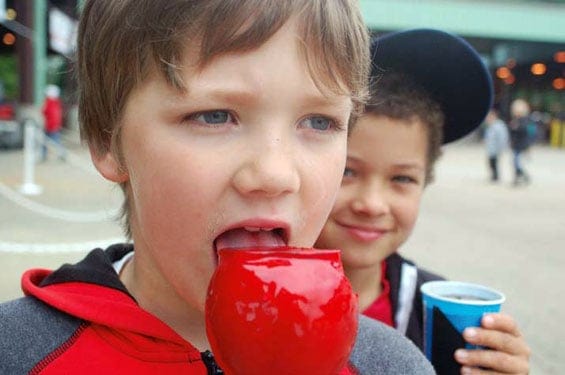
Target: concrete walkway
point(509, 238)
point(74, 213)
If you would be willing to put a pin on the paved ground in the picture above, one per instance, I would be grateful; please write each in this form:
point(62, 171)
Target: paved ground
point(509, 238)
point(74, 212)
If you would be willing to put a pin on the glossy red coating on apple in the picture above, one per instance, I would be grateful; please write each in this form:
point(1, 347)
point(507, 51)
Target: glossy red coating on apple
point(282, 310)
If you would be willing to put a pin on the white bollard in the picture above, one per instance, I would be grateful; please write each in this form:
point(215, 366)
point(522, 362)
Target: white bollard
point(29, 187)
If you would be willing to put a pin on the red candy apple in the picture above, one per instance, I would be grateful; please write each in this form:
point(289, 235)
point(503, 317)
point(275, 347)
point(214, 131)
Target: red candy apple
point(282, 310)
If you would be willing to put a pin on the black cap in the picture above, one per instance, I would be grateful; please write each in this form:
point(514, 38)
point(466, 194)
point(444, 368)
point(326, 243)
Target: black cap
point(447, 67)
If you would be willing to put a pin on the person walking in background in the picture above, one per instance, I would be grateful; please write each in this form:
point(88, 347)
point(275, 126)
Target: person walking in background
point(519, 138)
point(53, 119)
point(496, 141)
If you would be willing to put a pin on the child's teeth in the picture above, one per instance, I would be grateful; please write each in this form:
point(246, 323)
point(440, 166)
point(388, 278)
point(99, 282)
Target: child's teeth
point(255, 229)
point(249, 237)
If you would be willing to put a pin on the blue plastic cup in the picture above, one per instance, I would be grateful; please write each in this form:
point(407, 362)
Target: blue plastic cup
point(463, 304)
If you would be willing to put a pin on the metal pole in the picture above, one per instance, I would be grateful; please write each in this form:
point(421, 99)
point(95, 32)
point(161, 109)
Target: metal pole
point(39, 50)
point(29, 187)
point(2, 10)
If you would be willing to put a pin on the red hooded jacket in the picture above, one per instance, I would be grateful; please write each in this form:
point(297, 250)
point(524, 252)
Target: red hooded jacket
point(53, 114)
point(84, 321)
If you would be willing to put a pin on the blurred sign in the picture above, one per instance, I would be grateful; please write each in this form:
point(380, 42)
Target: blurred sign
point(62, 32)
point(2, 10)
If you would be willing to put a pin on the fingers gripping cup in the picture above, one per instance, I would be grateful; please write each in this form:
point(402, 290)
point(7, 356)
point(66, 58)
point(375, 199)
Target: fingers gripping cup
point(283, 310)
point(449, 308)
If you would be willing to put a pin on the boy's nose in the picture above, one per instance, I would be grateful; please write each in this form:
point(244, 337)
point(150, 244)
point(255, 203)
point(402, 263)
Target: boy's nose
point(270, 169)
point(370, 200)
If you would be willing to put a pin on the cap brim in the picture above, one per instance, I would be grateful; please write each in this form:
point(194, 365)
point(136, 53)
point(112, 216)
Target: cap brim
point(447, 67)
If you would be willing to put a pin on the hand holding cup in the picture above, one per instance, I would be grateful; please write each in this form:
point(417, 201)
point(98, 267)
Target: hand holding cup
point(449, 308)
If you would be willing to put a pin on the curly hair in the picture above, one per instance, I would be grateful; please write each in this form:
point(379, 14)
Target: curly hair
point(398, 96)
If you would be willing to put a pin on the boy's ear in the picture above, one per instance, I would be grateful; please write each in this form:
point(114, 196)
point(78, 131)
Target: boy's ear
point(108, 166)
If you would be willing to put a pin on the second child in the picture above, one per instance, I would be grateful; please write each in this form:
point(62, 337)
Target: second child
point(433, 89)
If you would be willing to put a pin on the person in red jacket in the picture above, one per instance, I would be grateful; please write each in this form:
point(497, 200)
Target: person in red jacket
point(53, 119)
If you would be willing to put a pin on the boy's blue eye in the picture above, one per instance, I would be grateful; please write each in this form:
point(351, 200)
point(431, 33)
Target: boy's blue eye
point(319, 123)
point(348, 172)
point(215, 117)
point(405, 179)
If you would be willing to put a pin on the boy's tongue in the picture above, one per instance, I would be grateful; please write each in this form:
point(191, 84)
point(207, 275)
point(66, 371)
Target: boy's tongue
point(241, 238)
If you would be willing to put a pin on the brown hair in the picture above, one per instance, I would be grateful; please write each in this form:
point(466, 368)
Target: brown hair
point(397, 96)
point(121, 41)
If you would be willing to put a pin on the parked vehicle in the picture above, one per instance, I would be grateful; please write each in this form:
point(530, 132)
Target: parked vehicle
point(11, 131)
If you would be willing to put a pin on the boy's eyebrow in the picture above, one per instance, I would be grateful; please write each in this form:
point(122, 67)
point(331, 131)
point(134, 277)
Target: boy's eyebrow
point(353, 158)
point(238, 95)
point(407, 166)
point(230, 95)
point(325, 101)
point(202, 95)
point(401, 165)
point(243, 94)
point(410, 165)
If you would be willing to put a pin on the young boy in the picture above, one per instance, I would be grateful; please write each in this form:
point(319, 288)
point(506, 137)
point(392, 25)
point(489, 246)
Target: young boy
point(225, 123)
point(433, 89)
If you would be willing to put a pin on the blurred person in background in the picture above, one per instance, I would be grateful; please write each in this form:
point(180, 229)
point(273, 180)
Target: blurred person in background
point(520, 138)
point(496, 141)
point(53, 119)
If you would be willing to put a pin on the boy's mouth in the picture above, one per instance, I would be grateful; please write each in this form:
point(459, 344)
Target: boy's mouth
point(247, 237)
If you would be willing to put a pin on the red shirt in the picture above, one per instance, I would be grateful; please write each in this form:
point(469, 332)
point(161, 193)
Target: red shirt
point(381, 308)
point(53, 114)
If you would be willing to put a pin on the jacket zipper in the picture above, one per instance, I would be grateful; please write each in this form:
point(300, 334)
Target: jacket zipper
point(210, 363)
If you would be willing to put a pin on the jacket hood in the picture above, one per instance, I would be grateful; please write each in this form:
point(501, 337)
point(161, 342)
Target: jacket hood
point(92, 291)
